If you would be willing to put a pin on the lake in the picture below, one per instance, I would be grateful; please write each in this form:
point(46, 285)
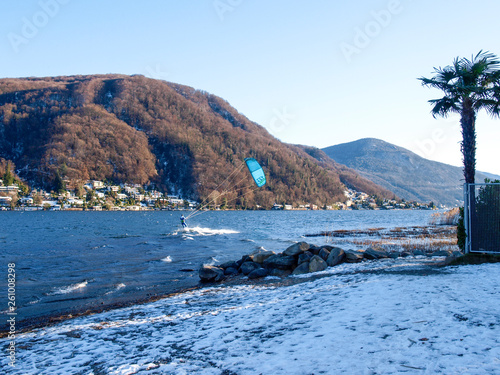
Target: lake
point(73, 261)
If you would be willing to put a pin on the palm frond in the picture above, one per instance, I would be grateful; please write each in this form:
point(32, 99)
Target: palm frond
point(444, 106)
point(475, 80)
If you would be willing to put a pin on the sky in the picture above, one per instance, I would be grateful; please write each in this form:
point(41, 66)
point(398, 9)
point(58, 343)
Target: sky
point(317, 73)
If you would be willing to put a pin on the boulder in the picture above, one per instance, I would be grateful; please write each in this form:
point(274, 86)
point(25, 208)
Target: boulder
point(248, 267)
point(257, 273)
point(230, 264)
point(315, 249)
point(243, 259)
point(296, 249)
point(301, 269)
point(323, 253)
point(280, 261)
point(305, 257)
point(353, 256)
point(337, 256)
point(230, 271)
point(317, 264)
point(394, 255)
point(405, 254)
point(376, 253)
point(260, 255)
point(418, 253)
point(211, 273)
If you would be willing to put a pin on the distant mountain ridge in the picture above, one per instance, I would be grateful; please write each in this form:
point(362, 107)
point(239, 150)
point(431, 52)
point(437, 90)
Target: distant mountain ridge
point(403, 172)
point(134, 129)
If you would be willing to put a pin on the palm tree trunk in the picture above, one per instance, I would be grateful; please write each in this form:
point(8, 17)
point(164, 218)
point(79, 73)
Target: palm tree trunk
point(468, 146)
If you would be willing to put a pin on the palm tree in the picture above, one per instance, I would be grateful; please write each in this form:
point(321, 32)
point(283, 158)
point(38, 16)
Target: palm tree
point(469, 86)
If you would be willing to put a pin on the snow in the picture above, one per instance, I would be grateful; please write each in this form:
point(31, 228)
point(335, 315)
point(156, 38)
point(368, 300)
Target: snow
point(386, 317)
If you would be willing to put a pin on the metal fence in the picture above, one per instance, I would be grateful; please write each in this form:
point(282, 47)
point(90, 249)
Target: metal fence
point(482, 217)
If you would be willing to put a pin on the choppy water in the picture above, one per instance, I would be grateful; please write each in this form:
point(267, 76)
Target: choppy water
point(73, 261)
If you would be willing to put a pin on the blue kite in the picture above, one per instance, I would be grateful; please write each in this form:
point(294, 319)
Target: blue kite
point(256, 171)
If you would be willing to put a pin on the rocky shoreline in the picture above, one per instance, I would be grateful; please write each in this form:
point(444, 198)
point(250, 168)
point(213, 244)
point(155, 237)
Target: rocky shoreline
point(303, 258)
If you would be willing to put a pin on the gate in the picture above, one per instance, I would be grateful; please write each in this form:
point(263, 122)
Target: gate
point(482, 217)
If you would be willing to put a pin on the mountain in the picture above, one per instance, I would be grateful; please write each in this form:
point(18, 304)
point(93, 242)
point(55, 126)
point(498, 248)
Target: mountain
point(139, 130)
point(405, 173)
point(348, 176)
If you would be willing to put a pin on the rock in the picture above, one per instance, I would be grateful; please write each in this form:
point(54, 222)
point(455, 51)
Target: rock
point(260, 255)
point(337, 256)
point(243, 259)
point(186, 270)
point(457, 254)
point(323, 253)
point(230, 271)
point(248, 267)
point(353, 256)
point(441, 253)
point(418, 253)
point(257, 273)
point(394, 255)
point(280, 261)
point(296, 249)
point(315, 249)
point(405, 254)
point(375, 253)
point(229, 264)
point(301, 269)
point(305, 257)
point(211, 273)
point(317, 264)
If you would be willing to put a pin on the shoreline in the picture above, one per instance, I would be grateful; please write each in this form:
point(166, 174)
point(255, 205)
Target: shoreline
point(31, 324)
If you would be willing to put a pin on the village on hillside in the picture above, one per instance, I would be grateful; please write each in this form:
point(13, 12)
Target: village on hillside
point(98, 196)
point(92, 195)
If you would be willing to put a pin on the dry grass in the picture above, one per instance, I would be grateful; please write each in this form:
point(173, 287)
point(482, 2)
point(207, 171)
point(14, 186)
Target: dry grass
point(427, 239)
point(446, 218)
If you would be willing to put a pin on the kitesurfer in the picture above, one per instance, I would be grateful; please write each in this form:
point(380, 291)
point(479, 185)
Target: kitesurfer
point(183, 221)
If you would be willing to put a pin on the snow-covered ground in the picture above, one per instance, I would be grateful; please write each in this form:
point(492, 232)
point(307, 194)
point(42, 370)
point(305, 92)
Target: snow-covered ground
point(380, 317)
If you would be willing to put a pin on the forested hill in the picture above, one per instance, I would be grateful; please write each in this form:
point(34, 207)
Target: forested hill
point(139, 130)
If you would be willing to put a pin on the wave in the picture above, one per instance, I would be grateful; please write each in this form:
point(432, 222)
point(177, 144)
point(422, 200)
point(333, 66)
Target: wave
point(35, 301)
point(199, 231)
point(69, 288)
point(117, 287)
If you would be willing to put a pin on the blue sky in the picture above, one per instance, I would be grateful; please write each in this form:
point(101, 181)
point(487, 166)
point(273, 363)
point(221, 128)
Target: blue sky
point(318, 72)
